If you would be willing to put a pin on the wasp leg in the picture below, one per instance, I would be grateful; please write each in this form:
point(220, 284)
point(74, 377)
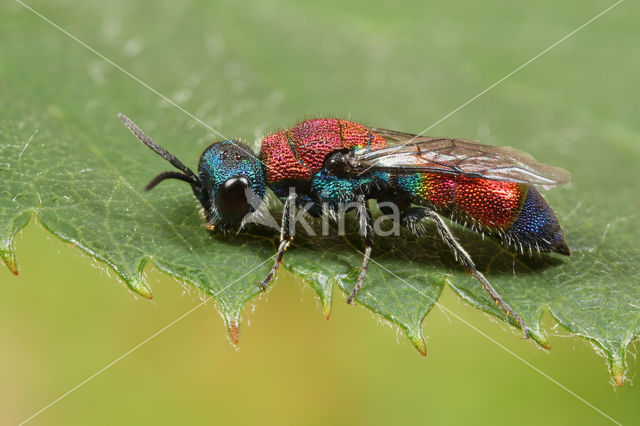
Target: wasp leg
point(414, 214)
point(366, 229)
point(287, 231)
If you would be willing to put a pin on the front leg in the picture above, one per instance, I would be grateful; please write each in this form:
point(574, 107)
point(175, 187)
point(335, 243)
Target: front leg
point(287, 231)
point(366, 230)
point(414, 214)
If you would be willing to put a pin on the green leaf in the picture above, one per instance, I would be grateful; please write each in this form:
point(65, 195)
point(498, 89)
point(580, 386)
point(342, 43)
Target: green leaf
point(67, 161)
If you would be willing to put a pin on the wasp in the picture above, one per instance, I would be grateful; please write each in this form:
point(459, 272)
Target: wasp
point(328, 163)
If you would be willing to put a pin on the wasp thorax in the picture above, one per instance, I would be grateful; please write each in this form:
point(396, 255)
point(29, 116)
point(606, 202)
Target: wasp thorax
point(233, 179)
point(337, 163)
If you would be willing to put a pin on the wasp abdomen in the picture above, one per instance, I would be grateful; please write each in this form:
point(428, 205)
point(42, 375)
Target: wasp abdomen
point(510, 210)
point(488, 203)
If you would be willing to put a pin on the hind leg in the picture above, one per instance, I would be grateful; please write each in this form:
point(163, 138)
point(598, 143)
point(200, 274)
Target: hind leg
point(414, 214)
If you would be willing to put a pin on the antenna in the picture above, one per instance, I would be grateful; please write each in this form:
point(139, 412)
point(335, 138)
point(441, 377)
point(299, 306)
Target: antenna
point(142, 137)
point(187, 174)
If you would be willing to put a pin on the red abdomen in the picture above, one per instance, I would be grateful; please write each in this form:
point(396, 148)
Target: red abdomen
point(514, 212)
point(492, 204)
point(299, 153)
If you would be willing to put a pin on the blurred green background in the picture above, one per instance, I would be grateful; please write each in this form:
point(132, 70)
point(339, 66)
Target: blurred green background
point(250, 67)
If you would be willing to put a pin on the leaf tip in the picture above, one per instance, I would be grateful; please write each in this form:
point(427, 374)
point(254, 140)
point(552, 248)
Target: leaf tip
point(10, 261)
point(617, 371)
point(422, 349)
point(12, 267)
point(418, 342)
point(234, 332)
point(618, 378)
point(141, 288)
point(144, 292)
point(540, 338)
point(326, 309)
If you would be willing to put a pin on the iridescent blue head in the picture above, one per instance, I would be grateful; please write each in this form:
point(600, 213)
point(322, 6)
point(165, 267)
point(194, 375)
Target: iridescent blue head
point(233, 182)
point(230, 183)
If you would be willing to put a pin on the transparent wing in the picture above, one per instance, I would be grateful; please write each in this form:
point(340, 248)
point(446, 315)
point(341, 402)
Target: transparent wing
point(421, 154)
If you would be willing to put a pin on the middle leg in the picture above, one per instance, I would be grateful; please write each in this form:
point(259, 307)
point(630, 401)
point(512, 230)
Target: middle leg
point(366, 230)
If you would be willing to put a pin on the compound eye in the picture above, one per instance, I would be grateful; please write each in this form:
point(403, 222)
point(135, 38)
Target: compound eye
point(233, 197)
